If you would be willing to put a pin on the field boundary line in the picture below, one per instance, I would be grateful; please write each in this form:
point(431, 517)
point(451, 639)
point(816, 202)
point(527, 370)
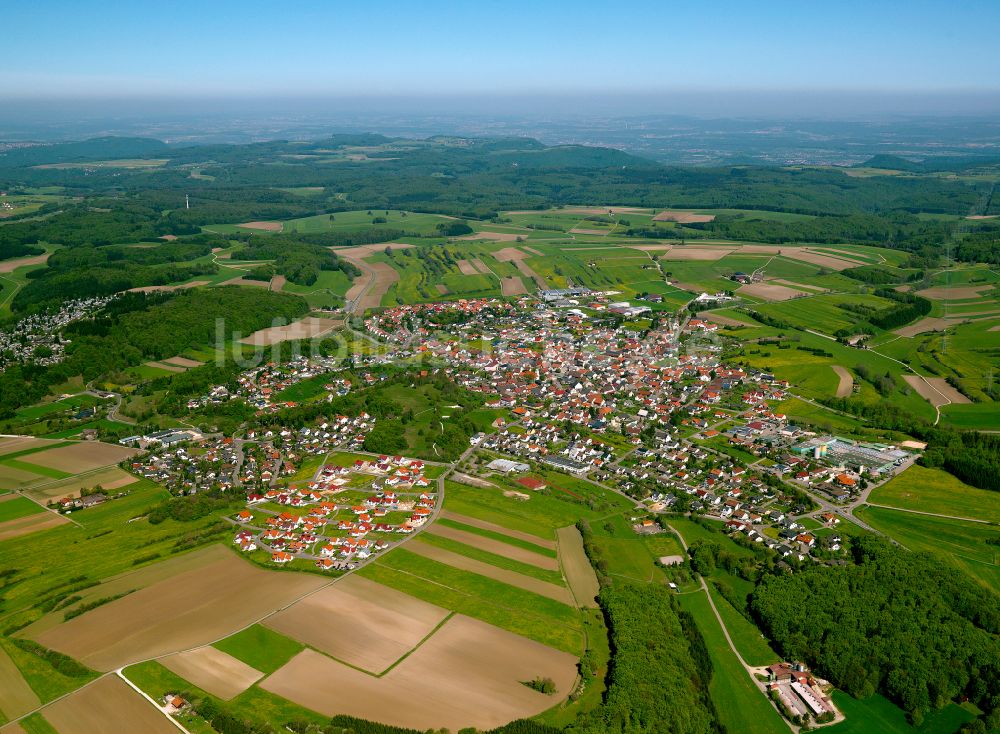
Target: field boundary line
point(416, 647)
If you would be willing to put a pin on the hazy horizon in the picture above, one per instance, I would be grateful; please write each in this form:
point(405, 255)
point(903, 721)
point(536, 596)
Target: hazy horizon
point(391, 48)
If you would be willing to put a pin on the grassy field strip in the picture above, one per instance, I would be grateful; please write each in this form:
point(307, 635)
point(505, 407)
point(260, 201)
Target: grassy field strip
point(525, 569)
point(497, 547)
point(465, 563)
point(577, 568)
point(510, 540)
point(741, 705)
point(750, 643)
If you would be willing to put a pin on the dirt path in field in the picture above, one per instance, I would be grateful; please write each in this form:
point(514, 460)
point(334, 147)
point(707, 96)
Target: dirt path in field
point(846, 381)
point(935, 390)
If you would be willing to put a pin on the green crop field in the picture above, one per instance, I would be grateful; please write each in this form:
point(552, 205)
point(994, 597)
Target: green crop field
point(936, 491)
point(260, 648)
point(964, 544)
point(741, 705)
point(18, 507)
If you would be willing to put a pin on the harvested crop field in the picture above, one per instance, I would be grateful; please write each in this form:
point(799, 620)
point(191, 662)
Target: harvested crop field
point(9, 266)
point(165, 366)
point(465, 267)
point(373, 283)
point(818, 258)
point(958, 293)
point(468, 673)
point(493, 527)
point(687, 252)
point(247, 282)
point(576, 567)
point(717, 318)
point(106, 706)
point(495, 236)
point(16, 696)
point(82, 456)
point(581, 230)
point(214, 671)
point(129, 581)
point(14, 478)
point(512, 286)
point(457, 560)
point(25, 526)
point(683, 217)
point(482, 267)
point(846, 385)
point(770, 291)
point(935, 390)
point(109, 478)
point(12, 728)
point(159, 288)
point(11, 444)
point(263, 226)
point(309, 327)
point(799, 286)
point(190, 609)
point(496, 546)
point(183, 362)
point(442, 289)
point(924, 325)
point(277, 283)
point(360, 622)
point(512, 254)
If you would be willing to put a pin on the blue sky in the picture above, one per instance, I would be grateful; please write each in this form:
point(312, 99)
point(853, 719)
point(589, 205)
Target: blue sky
point(222, 47)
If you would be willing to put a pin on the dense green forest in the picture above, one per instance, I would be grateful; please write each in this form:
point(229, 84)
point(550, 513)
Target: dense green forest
point(658, 681)
point(894, 622)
